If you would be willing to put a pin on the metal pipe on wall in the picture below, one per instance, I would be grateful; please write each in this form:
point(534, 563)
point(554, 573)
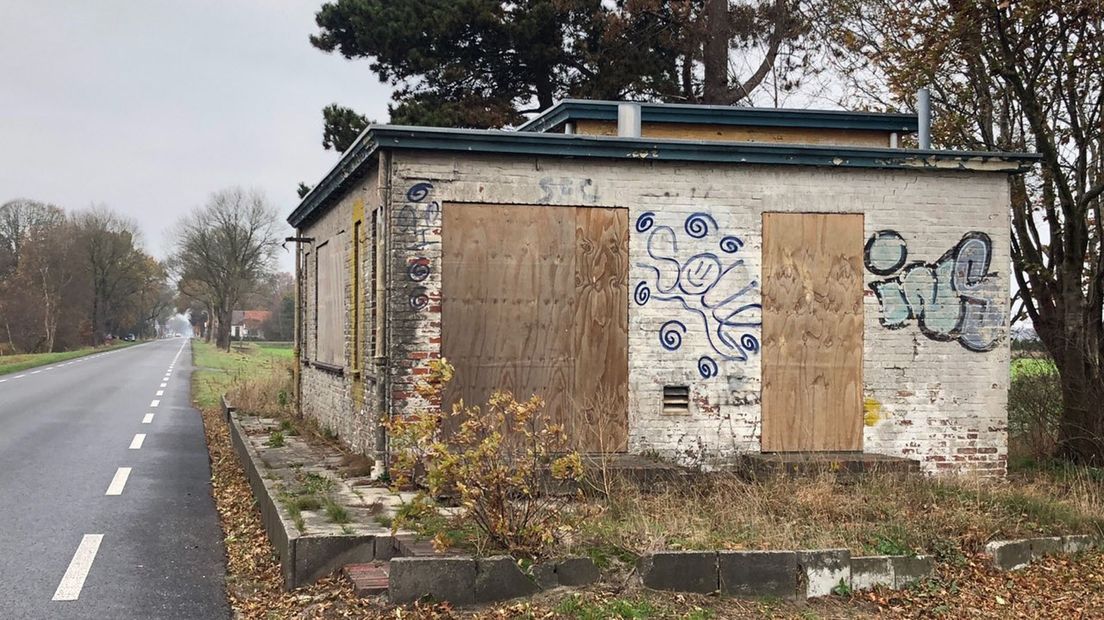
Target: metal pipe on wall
point(923, 110)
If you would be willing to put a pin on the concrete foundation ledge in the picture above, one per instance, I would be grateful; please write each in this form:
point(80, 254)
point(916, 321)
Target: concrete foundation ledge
point(303, 558)
point(1009, 555)
point(786, 575)
point(467, 580)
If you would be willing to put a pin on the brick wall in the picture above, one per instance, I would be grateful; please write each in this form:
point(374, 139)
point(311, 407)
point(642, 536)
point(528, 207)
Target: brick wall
point(935, 375)
point(343, 402)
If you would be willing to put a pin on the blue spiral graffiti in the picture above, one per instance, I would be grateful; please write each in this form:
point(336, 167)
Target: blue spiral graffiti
point(418, 271)
point(707, 367)
point(645, 221)
point(642, 293)
point(419, 299)
point(698, 225)
point(670, 335)
point(418, 192)
point(731, 245)
point(749, 343)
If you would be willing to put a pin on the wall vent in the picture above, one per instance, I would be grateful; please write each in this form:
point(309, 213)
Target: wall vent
point(676, 399)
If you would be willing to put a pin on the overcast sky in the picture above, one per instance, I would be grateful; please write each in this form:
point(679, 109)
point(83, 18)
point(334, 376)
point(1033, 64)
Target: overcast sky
point(148, 106)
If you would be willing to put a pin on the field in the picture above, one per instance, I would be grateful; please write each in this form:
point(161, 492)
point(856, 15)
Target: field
point(246, 363)
point(1032, 365)
point(17, 363)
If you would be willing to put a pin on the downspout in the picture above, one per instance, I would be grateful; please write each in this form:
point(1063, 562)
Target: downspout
point(382, 275)
point(298, 328)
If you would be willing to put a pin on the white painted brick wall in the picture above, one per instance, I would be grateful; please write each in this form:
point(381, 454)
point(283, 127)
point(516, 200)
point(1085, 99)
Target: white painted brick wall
point(931, 400)
point(934, 401)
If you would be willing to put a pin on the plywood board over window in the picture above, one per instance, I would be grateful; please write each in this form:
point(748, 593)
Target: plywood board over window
point(535, 301)
point(331, 288)
point(812, 332)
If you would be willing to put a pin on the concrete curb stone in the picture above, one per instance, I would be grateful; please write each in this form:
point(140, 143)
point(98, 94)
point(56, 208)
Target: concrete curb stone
point(680, 571)
point(754, 574)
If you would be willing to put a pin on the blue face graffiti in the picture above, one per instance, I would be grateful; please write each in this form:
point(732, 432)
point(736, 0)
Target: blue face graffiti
point(715, 290)
point(955, 298)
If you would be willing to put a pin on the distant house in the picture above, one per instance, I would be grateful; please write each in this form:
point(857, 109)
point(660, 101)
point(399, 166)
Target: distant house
point(695, 282)
point(248, 323)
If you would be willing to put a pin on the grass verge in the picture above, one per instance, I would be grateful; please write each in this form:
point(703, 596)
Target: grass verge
point(16, 363)
point(876, 514)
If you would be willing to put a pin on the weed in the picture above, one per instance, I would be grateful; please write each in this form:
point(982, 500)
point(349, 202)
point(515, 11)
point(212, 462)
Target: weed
point(275, 439)
point(336, 512)
point(287, 428)
point(842, 588)
point(313, 483)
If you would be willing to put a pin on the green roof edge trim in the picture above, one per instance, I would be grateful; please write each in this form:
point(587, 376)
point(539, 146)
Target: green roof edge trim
point(562, 145)
point(576, 109)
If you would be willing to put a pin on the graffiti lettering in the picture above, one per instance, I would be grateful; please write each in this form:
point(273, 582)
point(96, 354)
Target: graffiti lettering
point(717, 290)
point(955, 298)
point(565, 187)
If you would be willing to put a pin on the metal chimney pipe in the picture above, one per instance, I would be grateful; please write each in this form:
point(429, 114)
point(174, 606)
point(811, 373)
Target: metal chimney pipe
point(628, 120)
point(923, 110)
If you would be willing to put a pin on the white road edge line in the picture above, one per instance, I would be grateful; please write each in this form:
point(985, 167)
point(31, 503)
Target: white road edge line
point(136, 443)
point(147, 419)
point(18, 376)
point(118, 482)
point(73, 581)
point(154, 403)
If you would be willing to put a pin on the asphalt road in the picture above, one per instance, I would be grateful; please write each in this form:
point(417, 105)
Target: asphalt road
point(75, 540)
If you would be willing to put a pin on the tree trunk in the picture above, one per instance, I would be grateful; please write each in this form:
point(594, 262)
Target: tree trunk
point(1081, 429)
point(715, 52)
point(224, 319)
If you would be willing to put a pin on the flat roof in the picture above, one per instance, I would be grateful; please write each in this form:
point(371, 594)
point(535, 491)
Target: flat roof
point(483, 141)
point(583, 109)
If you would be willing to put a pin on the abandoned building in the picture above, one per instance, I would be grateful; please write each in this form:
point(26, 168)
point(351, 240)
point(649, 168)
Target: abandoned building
point(692, 282)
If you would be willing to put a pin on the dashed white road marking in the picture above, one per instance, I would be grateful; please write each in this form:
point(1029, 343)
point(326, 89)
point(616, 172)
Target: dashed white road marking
point(35, 372)
point(164, 384)
point(73, 581)
point(147, 418)
point(154, 403)
point(136, 443)
point(160, 393)
point(118, 482)
point(18, 376)
point(49, 368)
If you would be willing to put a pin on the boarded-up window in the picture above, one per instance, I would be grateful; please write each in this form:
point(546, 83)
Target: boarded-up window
point(330, 295)
point(535, 301)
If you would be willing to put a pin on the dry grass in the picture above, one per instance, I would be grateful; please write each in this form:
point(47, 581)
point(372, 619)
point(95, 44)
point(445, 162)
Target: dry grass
point(947, 517)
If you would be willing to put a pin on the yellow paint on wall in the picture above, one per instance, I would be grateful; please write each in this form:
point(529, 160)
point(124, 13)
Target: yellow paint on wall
point(356, 257)
point(872, 411)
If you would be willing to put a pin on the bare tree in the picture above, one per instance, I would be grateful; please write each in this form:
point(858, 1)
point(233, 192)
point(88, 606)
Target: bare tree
point(1025, 75)
point(223, 250)
point(115, 265)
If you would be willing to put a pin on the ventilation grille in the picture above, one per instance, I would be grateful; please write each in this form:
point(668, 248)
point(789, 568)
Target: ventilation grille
point(676, 399)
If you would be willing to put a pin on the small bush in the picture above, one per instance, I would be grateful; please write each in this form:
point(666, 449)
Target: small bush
point(1035, 408)
point(276, 439)
point(495, 464)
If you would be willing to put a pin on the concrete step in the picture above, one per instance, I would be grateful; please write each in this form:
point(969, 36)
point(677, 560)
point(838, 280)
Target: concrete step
point(370, 578)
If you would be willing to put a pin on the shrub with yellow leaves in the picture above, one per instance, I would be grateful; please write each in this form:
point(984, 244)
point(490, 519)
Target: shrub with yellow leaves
point(502, 462)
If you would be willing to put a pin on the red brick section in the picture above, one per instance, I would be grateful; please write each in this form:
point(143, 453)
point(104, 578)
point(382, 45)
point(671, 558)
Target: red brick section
point(369, 578)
